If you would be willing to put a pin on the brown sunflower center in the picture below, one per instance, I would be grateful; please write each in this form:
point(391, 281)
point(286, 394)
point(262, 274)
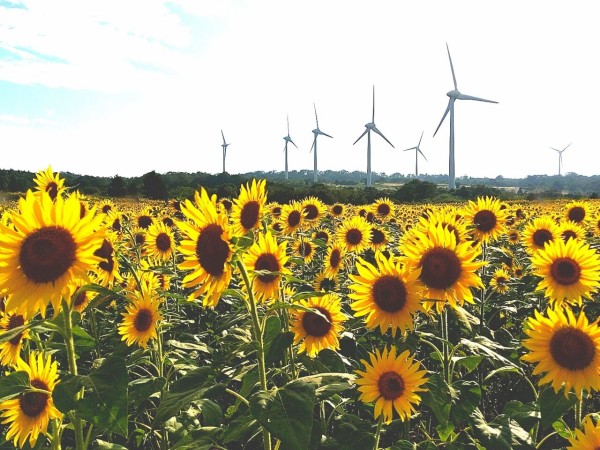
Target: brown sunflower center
point(47, 253)
point(541, 236)
point(440, 268)
point(390, 385)
point(337, 209)
point(140, 239)
point(305, 249)
point(485, 220)
point(106, 251)
point(168, 221)
point(322, 235)
point(317, 325)
point(15, 321)
point(311, 211)
point(249, 215)
point(116, 225)
point(383, 209)
point(513, 236)
point(293, 218)
point(389, 293)
point(52, 190)
point(34, 403)
point(335, 258)
point(163, 242)
point(144, 222)
point(565, 271)
point(212, 251)
point(377, 236)
point(576, 214)
point(572, 349)
point(568, 234)
point(267, 261)
point(354, 236)
point(276, 211)
point(143, 320)
point(106, 208)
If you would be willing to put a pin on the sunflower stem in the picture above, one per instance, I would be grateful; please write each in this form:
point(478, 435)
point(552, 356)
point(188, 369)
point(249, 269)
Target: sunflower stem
point(446, 359)
point(164, 443)
point(56, 434)
point(578, 410)
point(378, 432)
point(70, 346)
point(258, 336)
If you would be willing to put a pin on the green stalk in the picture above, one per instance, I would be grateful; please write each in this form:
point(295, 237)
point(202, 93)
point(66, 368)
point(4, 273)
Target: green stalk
point(258, 336)
point(444, 327)
point(578, 410)
point(378, 432)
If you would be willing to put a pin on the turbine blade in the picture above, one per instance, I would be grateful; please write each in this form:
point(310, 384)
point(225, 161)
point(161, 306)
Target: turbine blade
point(420, 138)
point(316, 118)
point(313, 144)
point(566, 147)
point(422, 154)
point(451, 67)
point(293, 143)
point(470, 97)
point(555, 149)
point(381, 134)
point(325, 134)
point(223, 137)
point(288, 124)
point(373, 116)
point(444, 116)
point(412, 148)
point(364, 132)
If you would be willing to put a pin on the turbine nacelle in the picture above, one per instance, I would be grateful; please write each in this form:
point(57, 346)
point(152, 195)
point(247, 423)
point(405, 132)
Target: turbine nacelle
point(370, 125)
point(454, 93)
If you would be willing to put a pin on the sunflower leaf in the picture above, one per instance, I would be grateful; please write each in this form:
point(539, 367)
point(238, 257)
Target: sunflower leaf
point(553, 405)
point(13, 384)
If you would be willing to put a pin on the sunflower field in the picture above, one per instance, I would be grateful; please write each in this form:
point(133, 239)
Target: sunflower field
point(239, 323)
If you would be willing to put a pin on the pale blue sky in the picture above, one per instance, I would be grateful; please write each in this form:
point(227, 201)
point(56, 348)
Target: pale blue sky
point(124, 87)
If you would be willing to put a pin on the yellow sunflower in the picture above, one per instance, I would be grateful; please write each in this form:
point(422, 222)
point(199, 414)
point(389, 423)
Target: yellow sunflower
point(539, 231)
point(570, 271)
point(325, 283)
point(392, 382)
point(337, 210)
point(319, 329)
point(140, 321)
point(10, 350)
point(388, 295)
point(513, 236)
point(266, 255)
point(314, 210)
point(49, 182)
point(379, 238)
point(305, 249)
point(160, 242)
point(587, 438)
point(566, 349)
point(144, 218)
point(334, 259)
point(578, 211)
point(571, 230)
point(106, 206)
point(354, 233)
point(322, 235)
point(47, 253)
point(205, 248)
point(487, 218)
point(292, 217)
point(383, 208)
point(107, 270)
point(249, 207)
point(499, 281)
point(28, 415)
point(448, 269)
point(448, 217)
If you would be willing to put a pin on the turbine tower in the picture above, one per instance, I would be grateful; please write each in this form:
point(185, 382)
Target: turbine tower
point(560, 152)
point(287, 140)
point(224, 145)
point(454, 95)
point(316, 133)
point(417, 150)
point(368, 127)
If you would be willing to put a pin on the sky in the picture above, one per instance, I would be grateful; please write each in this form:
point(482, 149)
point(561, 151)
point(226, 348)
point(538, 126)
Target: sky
point(124, 87)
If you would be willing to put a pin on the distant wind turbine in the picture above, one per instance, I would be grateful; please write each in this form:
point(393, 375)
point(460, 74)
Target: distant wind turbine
point(454, 95)
point(368, 127)
point(316, 133)
point(224, 145)
point(287, 140)
point(560, 152)
point(417, 150)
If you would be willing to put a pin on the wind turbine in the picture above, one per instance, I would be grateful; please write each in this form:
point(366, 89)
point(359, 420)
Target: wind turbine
point(560, 152)
point(287, 140)
point(454, 95)
point(368, 127)
point(224, 145)
point(316, 132)
point(417, 150)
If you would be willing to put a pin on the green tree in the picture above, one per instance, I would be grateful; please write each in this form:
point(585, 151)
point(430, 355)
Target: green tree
point(154, 186)
point(117, 187)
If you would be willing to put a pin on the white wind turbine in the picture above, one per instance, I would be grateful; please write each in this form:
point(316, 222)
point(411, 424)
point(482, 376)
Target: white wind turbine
point(287, 140)
point(316, 133)
point(560, 152)
point(454, 95)
point(224, 145)
point(368, 127)
point(417, 150)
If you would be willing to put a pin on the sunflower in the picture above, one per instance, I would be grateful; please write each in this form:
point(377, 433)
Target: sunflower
point(570, 270)
point(334, 259)
point(28, 415)
point(565, 348)
point(448, 270)
point(539, 231)
point(487, 218)
point(354, 233)
point(49, 182)
point(392, 382)
point(337, 210)
point(318, 329)
point(11, 349)
point(314, 210)
point(322, 235)
point(388, 295)
point(448, 217)
point(160, 242)
point(205, 248)
point(139, 240)
point(383, 208)
point(140, 321)
point(106, 206)
point(571, 230)
point(292, 217)
point(587, 438)
point(82, 299)
point(266, 255)
point(499, 281)
point(578, 211)
point(379, 238)
point(325, 283)
point(513, 236)
point(305, 249)
point(107, 270)
point(114, 221)
point(47, 253)
point(249, 207)
point(144, 219)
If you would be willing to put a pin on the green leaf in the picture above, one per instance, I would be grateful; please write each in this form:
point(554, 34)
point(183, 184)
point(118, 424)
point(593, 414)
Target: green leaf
point(198, 346)
point(438, 397)
point(276, 351)
point(82, 338)
point(13, 384)
point(286, 412)
point(211, 412)
point(328, 384)
point(103, 445)
point(203, 438)
point(142, 388)
point(404, 445)
point(526, 414)
point(553, 405)
point(505, 369)
point(502, 433)
point(486, 347)
point(466, 397)
point(193, 385)
point(14, 332)
point(240, 428)
point(468, 362)
point(562, 429)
